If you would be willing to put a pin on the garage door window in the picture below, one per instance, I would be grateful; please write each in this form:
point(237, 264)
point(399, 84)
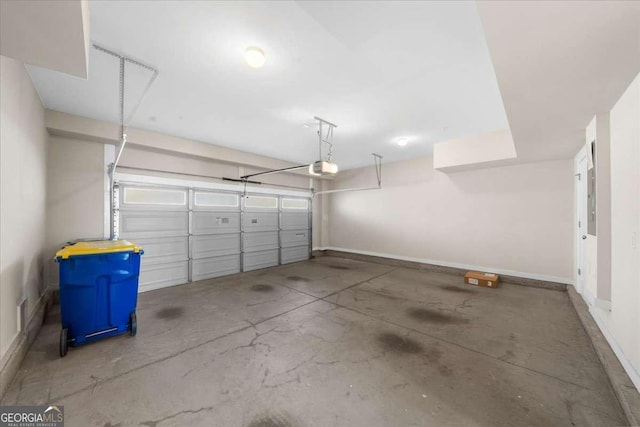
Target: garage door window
point(216, 200)
point(153, 196)
point(297, 204)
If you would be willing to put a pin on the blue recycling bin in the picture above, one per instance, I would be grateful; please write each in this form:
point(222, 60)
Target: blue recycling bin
point(98, 290)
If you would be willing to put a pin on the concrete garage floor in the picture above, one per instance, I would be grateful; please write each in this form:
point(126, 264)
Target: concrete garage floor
point(331, 342)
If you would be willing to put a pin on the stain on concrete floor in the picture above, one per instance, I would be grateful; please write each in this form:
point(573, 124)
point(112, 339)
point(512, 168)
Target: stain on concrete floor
point(169, 313)
point(395, 343)
point(262, 288)
point(338, 267)
point(273, 419)
point(435, 316)
point(432, 355)
point(458, 289)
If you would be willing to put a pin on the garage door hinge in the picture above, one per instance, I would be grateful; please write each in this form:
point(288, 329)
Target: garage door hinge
point(579, 272)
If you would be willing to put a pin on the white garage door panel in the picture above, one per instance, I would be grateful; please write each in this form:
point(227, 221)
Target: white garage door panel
point(260, 203)
point(254, 242)
point(164, 249)
point(138, 224)
point(295, 233)
point(156, 276)
point(260, 221)
point(257, 260)
point(191, 234)
point(157, 218)
point(294, 221)
point(207, 268)
point(215, 245)
point(215, 222)
point(290, 238)
point(294, 254)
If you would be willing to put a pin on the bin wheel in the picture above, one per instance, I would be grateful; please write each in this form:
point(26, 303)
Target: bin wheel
point(64, 342)
point(134, 324)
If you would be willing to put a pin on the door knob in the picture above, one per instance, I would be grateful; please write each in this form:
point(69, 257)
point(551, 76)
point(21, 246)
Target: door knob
point(584, 237)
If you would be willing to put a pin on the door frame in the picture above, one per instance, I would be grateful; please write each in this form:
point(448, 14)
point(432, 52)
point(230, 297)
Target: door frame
point(580, 214)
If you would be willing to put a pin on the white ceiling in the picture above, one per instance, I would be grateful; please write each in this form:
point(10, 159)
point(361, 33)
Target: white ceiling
point(379, 70)
point(558, 64)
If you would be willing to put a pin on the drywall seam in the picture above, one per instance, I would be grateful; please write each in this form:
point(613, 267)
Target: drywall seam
point(563, 280)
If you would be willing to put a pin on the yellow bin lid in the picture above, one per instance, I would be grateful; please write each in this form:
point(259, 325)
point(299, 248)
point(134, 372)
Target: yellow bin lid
point(97, 247)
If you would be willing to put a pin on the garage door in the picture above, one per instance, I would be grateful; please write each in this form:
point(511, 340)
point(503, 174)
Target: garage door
point(157, 218)
point(295, 231)
point(215, 229)
point(190, 234)
point(259, 231)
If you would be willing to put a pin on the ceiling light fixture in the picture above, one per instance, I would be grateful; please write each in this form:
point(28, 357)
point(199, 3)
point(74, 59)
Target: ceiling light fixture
point(402, 142)
point(255, 57)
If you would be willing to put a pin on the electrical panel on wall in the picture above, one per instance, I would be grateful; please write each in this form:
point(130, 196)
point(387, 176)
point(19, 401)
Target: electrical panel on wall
point(591, 191)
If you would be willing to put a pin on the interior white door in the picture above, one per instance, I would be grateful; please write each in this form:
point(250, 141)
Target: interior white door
point(581, 213)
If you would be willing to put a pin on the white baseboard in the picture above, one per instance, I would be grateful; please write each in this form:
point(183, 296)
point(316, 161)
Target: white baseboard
point(11, 360)
point(22, 330)
point(11, 348)
point(563, 280)
point(626, 364)
point(603, 304)
point(588, 298)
